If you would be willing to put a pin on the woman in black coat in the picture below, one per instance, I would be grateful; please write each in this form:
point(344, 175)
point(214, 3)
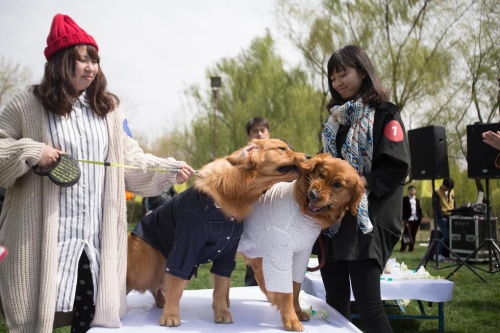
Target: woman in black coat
point(366, 130)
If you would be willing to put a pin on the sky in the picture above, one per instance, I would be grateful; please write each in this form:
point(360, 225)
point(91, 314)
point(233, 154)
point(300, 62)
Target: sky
point(151, 50)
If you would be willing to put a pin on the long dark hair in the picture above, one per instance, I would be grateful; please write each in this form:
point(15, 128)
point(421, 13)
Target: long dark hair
point(58, 91)
point(372, 92)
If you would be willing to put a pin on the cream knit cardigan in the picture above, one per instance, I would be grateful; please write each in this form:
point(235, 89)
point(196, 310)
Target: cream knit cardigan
point(29, 219)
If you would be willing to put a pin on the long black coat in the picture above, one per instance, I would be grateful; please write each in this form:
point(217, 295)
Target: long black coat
point(390, 166)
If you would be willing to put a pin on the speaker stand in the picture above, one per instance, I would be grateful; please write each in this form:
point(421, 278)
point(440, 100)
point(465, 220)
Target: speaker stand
point(488, 243)
point(434, 245)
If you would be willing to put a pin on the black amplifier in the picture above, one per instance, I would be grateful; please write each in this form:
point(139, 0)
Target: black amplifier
point(470, 209)
point(467, 233)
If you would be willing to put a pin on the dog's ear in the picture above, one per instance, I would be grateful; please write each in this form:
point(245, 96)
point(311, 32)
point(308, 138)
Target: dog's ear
point(245, 156)
point(356, 195)
point(305, 165)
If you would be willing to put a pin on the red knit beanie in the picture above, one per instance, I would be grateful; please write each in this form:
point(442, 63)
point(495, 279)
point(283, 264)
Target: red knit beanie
point(64, 32)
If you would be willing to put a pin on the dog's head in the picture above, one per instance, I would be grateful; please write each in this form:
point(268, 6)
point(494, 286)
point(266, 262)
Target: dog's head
point(238, 180)
point(327, 187)
point(267, 162)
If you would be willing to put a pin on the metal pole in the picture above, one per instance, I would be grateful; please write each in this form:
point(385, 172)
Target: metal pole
point(216, 106)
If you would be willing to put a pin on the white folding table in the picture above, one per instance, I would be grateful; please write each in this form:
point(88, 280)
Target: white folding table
point(250, 310)
point(393, 288)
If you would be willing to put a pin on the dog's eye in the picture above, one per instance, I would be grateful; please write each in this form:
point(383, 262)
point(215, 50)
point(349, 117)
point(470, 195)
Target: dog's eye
point(281, 148)
point(337, 185)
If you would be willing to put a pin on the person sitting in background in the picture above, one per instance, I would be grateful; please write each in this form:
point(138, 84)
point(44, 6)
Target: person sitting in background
point(443, 203)
point(412, 214)
point(257, 128)
point(150, 203)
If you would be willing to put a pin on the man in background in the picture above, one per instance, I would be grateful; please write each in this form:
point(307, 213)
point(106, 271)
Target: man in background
point(443, 202)
point(412, 217)
point(257, 128)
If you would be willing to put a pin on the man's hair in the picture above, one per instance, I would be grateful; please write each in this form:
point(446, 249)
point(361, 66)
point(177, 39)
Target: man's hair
point(256, 121)
point(449, 183)
point(411, 187)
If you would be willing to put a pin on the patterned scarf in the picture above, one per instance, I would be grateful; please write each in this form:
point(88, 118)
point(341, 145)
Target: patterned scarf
point(357, 149)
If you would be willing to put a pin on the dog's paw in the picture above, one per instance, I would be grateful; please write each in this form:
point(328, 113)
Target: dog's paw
point(170, 320)
point(223, 317)
point(293, 325)
point(160, 303)
point(302, 315)
point(159, 298)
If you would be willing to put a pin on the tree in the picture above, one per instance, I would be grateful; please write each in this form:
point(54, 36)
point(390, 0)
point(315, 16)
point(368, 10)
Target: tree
point(411, 44)
point(480, 55)
point(439, 59)
point(13, 78)
point(254, 83)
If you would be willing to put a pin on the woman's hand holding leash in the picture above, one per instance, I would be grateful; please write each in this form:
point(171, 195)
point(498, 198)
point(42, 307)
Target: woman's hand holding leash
point(184, 172)
point(49, 156)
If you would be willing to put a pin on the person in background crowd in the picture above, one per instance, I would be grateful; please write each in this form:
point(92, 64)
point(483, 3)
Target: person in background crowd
point(257, 128)
point(367, 131)
point(68, 245)
point(443, 203)
point(412, 213)
point(150, 203)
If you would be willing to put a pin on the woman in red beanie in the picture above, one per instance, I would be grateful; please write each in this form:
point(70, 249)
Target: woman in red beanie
point(68, 245)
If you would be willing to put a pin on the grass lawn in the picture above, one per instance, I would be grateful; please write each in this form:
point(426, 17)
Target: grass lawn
point(474, 307)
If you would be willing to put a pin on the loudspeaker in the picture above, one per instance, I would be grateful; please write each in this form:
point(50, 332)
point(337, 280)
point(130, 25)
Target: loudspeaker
point(429, 153)
point(467, 233)
point(481, 156)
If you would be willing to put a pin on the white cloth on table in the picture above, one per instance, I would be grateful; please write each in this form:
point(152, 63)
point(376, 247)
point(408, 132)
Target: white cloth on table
point(430, 290)
point(250, 310)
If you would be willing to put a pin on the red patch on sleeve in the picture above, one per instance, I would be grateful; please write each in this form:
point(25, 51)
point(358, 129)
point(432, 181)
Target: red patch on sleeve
point(393, 131)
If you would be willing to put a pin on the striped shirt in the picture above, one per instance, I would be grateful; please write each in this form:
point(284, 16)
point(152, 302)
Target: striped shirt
point(83, 135)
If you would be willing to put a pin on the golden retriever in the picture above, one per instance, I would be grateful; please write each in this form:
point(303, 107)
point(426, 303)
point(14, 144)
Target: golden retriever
point(281, 230)
point(202, 224)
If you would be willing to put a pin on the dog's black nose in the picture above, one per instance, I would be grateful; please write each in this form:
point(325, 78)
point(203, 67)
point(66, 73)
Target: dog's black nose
point(313, 196)
point(308, 156)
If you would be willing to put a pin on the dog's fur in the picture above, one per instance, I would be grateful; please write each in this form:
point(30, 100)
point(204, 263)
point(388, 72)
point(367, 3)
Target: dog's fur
point(326, 188)
point(234, 183)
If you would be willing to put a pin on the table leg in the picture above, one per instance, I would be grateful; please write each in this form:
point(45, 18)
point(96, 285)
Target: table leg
point(441, 316)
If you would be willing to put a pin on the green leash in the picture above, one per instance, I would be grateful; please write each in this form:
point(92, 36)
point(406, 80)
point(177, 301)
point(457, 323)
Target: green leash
point(66, 172)
point(117, 165)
